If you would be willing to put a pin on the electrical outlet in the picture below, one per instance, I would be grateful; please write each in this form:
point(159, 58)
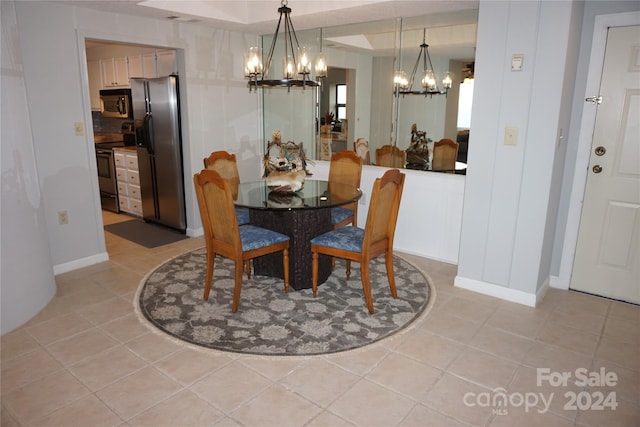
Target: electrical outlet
point(79, 128)
point(63, 217)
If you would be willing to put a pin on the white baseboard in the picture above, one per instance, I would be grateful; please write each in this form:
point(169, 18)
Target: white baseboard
point(80, 263)
point(507, 294)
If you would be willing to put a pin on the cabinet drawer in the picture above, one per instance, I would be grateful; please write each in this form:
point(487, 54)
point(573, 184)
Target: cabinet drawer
point(119, 159)
point(135, 206)
point(122, 188)
point(121, 174)
point(133, 177)
point(134, 192)
point(124, 203)
point(132, 162)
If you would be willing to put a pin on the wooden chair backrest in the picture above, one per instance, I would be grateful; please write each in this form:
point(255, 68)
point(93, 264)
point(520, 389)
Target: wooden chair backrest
point(445, 153)
point(390, 156)
point(225, 164)
point(383, 213)
point(361, 148)
point(218, 214)
point(345, 168)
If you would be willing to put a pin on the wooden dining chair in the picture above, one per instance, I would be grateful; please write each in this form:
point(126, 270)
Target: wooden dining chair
point(362, 245)
point(445, 153)
point(345, 168)
point(390, 156)
point(225, 164)
point(223, 236)
point(361, 147)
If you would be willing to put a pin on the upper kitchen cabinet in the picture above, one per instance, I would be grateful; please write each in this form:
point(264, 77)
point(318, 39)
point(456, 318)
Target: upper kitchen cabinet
point(115, 72)
point(165, 62)
point(111, 65)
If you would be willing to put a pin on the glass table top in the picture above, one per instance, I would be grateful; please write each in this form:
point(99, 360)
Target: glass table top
point(314, 194)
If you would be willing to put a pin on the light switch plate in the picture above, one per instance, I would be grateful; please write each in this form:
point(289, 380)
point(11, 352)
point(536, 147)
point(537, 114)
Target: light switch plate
point(79, 128)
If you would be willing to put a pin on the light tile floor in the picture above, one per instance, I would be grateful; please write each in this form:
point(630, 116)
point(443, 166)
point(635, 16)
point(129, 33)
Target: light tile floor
point(86, 360)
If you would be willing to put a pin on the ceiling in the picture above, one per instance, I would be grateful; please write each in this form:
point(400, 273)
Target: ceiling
point(348, 24)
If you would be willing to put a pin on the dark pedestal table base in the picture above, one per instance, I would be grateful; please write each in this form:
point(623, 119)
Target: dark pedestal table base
point(301, 225)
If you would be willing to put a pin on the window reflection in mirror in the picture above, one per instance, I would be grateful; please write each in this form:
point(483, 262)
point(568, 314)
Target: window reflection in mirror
point(368, 54)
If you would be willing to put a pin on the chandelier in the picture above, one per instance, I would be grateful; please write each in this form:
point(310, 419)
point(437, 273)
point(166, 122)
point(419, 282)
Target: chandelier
point(296, 60)
point(404, 86)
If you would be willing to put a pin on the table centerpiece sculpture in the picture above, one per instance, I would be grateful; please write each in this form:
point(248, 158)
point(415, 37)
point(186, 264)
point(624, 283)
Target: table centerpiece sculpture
point(419, 153)
point(285, 165)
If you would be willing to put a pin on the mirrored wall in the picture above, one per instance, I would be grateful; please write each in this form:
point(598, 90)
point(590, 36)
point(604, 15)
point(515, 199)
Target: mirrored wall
point(358, 99)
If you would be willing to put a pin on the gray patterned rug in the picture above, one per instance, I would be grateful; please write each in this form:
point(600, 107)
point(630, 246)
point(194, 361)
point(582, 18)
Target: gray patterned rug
point(272, 322)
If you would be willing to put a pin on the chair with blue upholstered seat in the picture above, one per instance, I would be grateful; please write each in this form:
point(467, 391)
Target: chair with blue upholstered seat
point(223, 236)
point(345, 168)
point(225, 164)
point(361, 245)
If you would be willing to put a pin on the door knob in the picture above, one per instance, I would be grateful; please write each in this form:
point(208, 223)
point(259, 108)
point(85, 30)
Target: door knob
point(594, 99)
point(597, 169)
point(600, 151)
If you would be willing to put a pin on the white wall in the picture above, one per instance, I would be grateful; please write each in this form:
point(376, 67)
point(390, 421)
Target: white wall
point(510, 205)
point(27, 281)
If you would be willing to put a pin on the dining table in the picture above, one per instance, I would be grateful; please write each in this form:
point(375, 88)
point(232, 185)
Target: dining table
point(301, 215)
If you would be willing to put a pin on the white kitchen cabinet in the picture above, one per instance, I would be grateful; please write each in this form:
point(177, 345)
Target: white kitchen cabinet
point(95, 83)
point(128, 180)
point(135, 66)
point(149, 65)
point(165, 62)
point(115, 72)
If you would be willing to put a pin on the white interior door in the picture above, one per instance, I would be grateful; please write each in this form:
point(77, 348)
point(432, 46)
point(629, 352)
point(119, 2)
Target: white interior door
point(607, 258)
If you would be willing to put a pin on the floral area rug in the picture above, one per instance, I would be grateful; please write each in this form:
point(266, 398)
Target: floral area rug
point(272, 322)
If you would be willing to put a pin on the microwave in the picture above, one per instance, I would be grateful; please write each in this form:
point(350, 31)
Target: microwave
point(116, 103)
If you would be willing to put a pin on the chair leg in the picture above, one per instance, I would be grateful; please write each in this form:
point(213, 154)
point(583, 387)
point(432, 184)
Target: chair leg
point(238, 287)
point(366, 284)
point(209, 275)
point(247, 267)
point(314, 272)
point(390, 276)
point(348, 269)
point(285, 265)
point(333, 263)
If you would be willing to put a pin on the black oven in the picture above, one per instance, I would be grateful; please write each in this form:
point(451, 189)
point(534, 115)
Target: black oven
point(107, 176)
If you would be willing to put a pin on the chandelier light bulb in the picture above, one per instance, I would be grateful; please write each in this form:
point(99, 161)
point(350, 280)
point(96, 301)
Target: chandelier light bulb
point(289, 67)
point(253, 62)
point(400, 80)
point(447, 81)
point(304, 63)
point(321, 66)
point(429, 81)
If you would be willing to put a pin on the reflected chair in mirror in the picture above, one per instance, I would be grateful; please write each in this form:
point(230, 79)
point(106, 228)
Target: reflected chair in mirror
point(225, 164)
point(361, 147)
point(223, 236)
point(362, 245)
point(445, 153)
point(390, 156)
point(345, 168)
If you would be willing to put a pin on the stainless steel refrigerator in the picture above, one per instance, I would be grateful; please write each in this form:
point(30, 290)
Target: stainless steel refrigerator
point(156, 115)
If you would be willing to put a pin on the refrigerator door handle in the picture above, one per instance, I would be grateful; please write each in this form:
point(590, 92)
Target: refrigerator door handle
point(148, 134)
